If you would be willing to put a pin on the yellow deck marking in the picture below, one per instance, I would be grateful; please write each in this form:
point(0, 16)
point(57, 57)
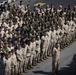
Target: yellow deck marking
point(41, 3)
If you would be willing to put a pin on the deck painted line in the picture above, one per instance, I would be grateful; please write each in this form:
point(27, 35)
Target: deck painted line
point(41, 3)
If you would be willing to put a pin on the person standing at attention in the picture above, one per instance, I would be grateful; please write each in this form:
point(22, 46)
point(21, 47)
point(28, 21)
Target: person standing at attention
point(55, 58)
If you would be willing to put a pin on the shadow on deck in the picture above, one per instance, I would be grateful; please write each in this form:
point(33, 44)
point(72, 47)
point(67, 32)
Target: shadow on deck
point(70, 69)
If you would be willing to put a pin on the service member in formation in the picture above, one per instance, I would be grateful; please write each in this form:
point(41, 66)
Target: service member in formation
point(7, 63)
point(19, 54)
point(14, 66)
point(55, 58)
point(25, 59)
point(38, 44)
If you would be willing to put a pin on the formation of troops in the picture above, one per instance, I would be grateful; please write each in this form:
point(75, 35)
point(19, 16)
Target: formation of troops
point(28, 36)
point(9, 1)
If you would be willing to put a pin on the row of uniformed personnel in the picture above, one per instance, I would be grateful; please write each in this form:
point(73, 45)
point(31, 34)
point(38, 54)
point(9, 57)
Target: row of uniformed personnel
point(26, 36)
point(26, 56)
